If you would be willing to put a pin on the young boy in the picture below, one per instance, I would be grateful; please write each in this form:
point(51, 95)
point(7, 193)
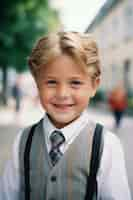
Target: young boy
point(66, 69)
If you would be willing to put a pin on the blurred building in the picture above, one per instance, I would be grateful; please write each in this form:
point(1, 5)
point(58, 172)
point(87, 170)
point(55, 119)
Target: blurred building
point(113, 29)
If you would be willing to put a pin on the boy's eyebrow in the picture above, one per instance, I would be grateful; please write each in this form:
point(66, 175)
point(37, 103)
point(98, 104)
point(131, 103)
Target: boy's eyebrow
point(76, 77)
point(71, 77)
point(50, 77)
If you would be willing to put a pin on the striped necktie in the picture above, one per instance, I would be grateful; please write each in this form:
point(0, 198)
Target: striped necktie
point(56, 138)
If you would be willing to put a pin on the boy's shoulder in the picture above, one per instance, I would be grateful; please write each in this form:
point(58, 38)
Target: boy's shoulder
point(112, 146)
point(25, 133)
point(31, 128)
point(111, 137)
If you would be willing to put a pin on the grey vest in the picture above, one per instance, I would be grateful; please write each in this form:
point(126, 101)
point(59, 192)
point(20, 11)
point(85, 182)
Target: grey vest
point(67, 180)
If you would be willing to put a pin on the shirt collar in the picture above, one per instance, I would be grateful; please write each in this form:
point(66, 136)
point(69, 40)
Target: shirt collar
point(69, 130)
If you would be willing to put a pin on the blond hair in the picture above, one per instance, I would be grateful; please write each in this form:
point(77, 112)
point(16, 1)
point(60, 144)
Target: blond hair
point(81, 47)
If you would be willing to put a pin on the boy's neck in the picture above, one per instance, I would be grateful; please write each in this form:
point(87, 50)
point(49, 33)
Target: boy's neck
point(60, 126)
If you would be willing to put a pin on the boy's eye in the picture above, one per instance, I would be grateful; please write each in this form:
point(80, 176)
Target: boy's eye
point(76, 82)
point(51, 82)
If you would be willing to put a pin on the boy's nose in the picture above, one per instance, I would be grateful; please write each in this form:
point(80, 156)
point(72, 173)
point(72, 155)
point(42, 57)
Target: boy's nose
point(63, 91)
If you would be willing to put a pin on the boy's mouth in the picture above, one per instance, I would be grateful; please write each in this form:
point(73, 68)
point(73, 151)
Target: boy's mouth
point(63, 106)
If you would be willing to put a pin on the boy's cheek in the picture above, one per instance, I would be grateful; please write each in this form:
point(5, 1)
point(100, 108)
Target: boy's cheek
point(85, 94)
point(45, 93)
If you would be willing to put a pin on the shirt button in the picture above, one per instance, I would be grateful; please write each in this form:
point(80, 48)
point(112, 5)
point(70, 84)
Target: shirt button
point(53, 178)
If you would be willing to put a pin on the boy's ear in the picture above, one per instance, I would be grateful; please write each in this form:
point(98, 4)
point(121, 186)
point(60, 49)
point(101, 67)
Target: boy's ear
point(95, 85)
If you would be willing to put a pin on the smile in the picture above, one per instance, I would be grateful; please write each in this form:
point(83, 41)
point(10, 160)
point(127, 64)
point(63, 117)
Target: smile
point(63, 106)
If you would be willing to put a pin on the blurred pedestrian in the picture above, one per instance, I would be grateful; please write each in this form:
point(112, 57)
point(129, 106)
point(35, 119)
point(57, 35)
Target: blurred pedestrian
point(17, 94)
point(118, 103)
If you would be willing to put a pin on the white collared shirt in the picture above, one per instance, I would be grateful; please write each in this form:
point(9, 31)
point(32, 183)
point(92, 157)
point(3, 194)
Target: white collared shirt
point(112, 177)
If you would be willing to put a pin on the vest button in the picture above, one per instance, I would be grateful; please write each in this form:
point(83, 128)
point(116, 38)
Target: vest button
point(53, 178)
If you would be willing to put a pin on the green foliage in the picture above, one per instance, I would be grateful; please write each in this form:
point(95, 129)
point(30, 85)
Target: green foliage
point(22, 22)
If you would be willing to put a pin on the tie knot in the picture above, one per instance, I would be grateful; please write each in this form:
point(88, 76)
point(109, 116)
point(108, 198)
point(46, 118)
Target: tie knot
point(57, 138)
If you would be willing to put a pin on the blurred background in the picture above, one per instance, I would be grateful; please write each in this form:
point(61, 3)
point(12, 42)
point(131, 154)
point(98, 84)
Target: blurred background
point(23, 22)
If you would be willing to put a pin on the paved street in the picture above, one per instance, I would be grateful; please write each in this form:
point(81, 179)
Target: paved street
point(9, 127)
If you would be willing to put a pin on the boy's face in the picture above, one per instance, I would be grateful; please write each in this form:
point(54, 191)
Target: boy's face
point(65, 90)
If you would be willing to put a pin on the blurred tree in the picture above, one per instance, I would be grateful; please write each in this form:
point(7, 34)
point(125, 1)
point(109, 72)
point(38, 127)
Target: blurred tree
point(21, 23)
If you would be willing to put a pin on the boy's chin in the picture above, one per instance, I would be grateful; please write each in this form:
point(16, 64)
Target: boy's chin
point(62, 121)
